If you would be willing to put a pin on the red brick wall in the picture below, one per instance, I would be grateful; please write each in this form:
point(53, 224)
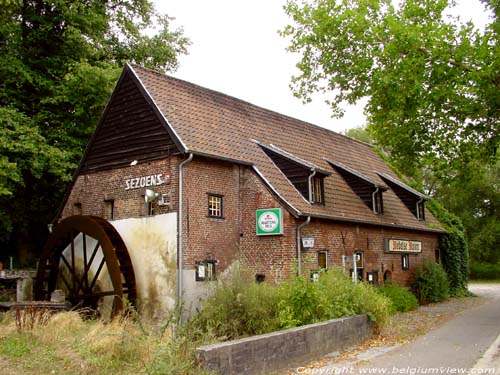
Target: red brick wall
point(92, 190)
point(344, 239)
point(233, 237)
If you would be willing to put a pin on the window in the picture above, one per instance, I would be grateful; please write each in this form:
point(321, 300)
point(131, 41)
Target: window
point(323, 259)
point(318, 190)
point(110, 209)
point(405, 262)
point(150, 206)
point(77, 209)
point(205, 270)
point(359, 266)
point(215, 206)
point(378, 204)
point(420, 210)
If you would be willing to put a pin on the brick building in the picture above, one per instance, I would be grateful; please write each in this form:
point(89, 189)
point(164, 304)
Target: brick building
point(260, 188)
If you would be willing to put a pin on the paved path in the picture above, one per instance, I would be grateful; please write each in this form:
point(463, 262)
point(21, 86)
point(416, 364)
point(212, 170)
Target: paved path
point(454, 347)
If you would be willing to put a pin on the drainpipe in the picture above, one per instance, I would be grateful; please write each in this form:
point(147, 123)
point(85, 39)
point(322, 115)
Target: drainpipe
point(418, 204)
point(309, 184)
point(179, 231)
point(374, 204)
point(299, 260)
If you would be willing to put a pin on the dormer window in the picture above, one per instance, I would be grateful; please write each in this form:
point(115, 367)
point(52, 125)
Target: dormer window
point(306, 177)
point(412, 199)
point(378, 202)
point(368, 190)
point(420, 210)
point(318, 190)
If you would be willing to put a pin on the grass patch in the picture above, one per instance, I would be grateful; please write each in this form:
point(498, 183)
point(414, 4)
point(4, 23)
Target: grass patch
point(67, 344)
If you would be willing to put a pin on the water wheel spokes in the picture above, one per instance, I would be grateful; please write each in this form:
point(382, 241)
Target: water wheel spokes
point(86, 256)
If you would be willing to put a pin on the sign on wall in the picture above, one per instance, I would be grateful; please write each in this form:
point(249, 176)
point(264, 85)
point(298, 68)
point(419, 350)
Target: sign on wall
point(307, 242)
point(394, 245)
point(269, 221)
point(146, 181)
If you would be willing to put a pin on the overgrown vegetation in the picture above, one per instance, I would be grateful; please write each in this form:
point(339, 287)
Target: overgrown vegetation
point(484, 271)
point(430, 283)
point(239, 307)
point(453, 247)
point(402, 299)
point(65, 343)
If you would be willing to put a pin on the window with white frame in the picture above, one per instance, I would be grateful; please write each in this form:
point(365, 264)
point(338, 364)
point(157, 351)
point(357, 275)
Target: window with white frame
point(215, 207)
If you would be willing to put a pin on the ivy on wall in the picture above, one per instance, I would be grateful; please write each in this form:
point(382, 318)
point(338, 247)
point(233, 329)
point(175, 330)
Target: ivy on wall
point(453, 247)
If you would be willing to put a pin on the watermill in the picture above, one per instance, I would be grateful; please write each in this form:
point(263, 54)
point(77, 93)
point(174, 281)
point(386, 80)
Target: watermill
point(86, 257)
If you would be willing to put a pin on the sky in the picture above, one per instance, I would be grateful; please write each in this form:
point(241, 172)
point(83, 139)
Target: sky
point(236, 49)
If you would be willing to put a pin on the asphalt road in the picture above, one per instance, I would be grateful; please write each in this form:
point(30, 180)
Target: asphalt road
point(454, 348)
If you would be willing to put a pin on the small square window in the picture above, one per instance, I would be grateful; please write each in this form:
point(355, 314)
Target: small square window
point(405, 262)
point(215, 208)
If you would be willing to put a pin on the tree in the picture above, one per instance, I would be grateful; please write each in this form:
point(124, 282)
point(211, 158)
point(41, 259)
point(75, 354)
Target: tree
point(432, 83)
point(59, 61)
point(433, 88)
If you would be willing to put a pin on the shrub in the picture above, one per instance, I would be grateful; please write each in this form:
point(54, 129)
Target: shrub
point(454, 249)
point(239, 307)
point(430, 283)
point(402, 299)
point(484, 271)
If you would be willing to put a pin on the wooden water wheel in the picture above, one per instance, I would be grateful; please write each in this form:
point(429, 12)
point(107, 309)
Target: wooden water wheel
point(86, 257)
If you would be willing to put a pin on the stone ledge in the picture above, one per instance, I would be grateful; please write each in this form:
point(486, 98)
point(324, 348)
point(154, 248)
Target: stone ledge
point(277, 350)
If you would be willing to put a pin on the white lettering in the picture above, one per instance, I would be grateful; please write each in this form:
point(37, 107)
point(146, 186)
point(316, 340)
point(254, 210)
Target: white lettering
point(144, 181)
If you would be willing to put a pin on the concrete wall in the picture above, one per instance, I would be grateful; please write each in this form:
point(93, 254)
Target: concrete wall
point(265, 353)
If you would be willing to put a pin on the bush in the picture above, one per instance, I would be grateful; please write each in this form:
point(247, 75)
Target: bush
point(402, 299)
point(430, 283)
point(484, 271)
point(239, 307)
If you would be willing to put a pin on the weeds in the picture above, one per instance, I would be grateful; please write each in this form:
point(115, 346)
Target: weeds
point(30, 317)
point(240, 307)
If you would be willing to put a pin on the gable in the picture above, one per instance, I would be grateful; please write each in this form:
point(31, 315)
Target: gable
point(130, 129)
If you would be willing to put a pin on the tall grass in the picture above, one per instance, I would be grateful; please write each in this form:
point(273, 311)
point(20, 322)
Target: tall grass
point(239, 307)
point(66, 343)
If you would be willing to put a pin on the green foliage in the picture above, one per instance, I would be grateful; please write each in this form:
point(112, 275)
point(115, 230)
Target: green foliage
point(484, 271)
point(360, 133)
point(59, 61)
point(430, 283)
point(402, 299)
point(431, 81)
point(474, 196)
point(239, 307)
point(453, 247)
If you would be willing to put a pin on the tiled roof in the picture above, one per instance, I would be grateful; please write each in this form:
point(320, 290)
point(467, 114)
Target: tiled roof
point(217, 125)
